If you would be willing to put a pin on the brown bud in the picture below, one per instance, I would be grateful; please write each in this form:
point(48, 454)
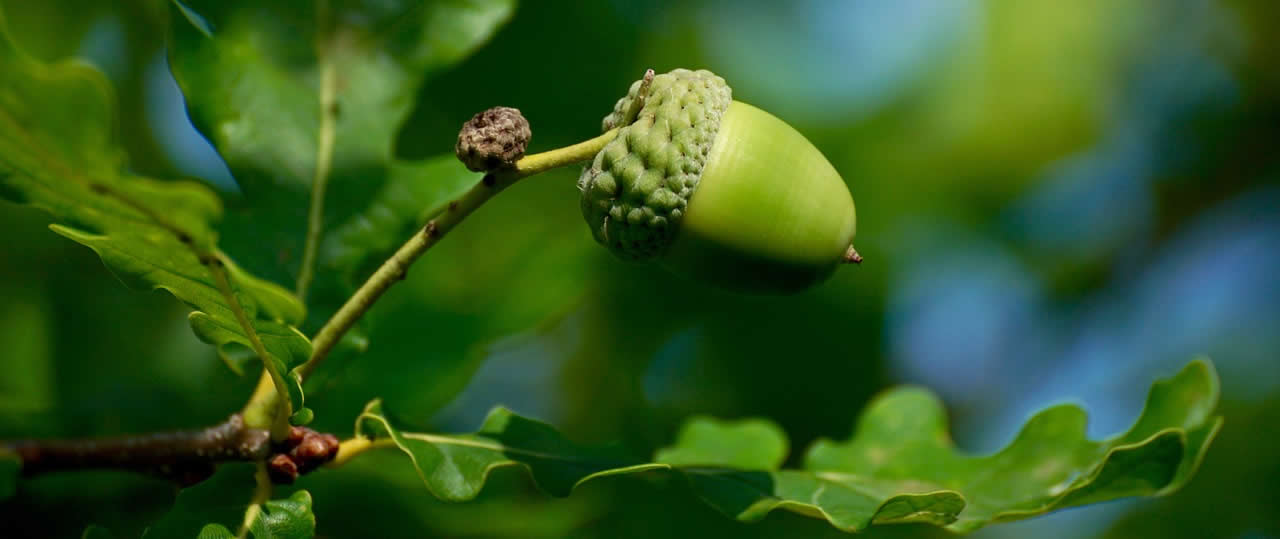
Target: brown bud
point(311, 449)
point(493, 139)
point(331, 446)
point(282, 469)
point(296, 435)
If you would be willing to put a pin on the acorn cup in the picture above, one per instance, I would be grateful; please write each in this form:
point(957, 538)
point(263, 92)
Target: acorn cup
point(716, 190)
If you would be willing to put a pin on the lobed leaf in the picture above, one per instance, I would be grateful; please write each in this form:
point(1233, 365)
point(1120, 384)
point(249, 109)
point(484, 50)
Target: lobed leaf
point(58, 153)
point(750, 444)
point(454, 468)
point(284, 519)
point(900, 466)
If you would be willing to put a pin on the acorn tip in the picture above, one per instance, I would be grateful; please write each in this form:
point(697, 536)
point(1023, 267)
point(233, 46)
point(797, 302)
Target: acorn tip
point(851, 256)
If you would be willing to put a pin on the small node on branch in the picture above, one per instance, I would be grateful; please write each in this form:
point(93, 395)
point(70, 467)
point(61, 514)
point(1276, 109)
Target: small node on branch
point(493, 139)
point(282, 469)
point(301, 452)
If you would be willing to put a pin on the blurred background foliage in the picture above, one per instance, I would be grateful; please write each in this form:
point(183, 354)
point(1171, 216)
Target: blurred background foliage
point(1058, 201)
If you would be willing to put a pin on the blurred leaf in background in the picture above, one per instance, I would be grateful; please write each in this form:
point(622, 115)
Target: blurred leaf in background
point(1059, 201)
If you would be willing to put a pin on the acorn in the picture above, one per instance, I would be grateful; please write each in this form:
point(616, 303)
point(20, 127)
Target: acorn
point(716, 190)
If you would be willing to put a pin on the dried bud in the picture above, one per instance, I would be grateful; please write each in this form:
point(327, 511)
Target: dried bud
point(493, 139)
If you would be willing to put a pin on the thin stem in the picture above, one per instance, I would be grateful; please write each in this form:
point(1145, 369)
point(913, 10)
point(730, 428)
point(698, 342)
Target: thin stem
point(354, 447)
point(538, 163)
point(280, 423)
point(261, 495)
point(396, 267)
point(260, 411)
point(324, 154)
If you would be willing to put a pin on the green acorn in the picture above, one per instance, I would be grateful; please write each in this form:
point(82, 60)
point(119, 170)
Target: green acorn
point(716, 189)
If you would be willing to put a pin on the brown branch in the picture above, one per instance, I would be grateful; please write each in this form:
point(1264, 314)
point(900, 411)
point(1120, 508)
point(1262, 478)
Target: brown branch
point(185, 457)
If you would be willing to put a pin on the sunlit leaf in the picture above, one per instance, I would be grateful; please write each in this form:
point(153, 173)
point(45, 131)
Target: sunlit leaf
point(58, 153)
point(752, 444)
point(1232, 496)
point(205, 511)
point(899, 467)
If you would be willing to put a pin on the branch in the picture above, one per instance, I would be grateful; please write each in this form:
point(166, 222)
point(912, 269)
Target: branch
point(261, 494)
point(185, 457)
point(396, 267)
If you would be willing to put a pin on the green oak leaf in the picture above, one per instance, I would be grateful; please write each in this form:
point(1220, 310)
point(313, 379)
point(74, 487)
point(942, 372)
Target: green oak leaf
point(455, 467)
point(900, 466)
point(284, 519)
point(203, 510)
point(300, 95)
point(749, 444)
point(58, 153)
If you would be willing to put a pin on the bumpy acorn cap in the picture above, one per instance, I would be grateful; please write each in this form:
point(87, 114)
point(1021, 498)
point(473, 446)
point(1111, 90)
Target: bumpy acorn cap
point(636, 190)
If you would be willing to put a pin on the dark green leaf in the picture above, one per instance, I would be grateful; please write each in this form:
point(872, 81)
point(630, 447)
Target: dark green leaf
point(96, 532)
point(454, 468)
point(10, 465)
point(204, 510)
point(291, 94)
point(412, 192)
point(900, 466)
point(58, 153)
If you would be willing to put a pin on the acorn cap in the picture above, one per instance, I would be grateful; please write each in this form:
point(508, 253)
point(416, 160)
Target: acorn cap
point(637, 189)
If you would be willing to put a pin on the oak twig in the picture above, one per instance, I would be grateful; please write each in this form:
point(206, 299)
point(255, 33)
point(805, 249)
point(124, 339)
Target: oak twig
point(185, 457)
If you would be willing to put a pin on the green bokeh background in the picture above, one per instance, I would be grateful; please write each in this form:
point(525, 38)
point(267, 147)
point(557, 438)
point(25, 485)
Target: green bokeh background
point(1056, 200)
